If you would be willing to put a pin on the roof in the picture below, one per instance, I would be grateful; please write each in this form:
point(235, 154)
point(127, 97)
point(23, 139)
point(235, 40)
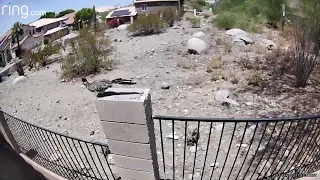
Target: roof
point(122, 12)
point(46, 21)
point(105, 8)
point(70, 17)
point(145, 1)
point(51, 31)
point(4, 36)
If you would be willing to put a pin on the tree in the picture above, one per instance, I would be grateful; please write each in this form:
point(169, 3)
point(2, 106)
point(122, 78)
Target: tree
point(48, 15)
point(17, 31)
point(103, 16)
point(94, 19)
point(85, 15)
point(62, 13)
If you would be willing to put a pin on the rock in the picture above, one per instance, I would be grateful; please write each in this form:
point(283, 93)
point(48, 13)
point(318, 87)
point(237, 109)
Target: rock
point(19, 79)
point(55, 157)
point(222, 96)
point(219, 127)
point(171, 136)
point(215, 165)
point(236, 32)
point(249, 103)
point(65, 118)
point(175, 27)
point(123, 27)
point(196, 44)
point(58, 101)
point(165, 85)
point(186, 111)
point(198, 34)
point(242, 145)
point(268, 44)
point(91, 133)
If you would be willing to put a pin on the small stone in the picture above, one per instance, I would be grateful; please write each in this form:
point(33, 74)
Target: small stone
point(249, 103)
point(165, 85)
point(179, 145)
point(242, 145)
point(65, 118)
point(186, 111)
point(91, 133)
point(58, 101)
point(171, 136)
point(215, 165)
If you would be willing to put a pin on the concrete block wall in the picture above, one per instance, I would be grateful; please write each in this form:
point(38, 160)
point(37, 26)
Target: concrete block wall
point(127, 123)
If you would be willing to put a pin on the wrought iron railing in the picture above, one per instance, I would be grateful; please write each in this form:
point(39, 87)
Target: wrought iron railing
point(66, 156)
point(284, 148)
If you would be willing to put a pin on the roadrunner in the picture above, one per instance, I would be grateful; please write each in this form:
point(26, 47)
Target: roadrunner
point(97, 86)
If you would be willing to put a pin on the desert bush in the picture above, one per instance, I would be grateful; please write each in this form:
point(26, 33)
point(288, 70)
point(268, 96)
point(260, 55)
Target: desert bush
point(37, 59)
point(227, 48)
point(198, 4)
point(146, 25)
point(215, 63)
point(46, 41)
point(207, 14)
point(185, 63)
point(219, 41)
point(216, 75)
point(246, 63)
point(254, 78)
point(225, 20)
point(195, 21)
point(234, 79)
point(170, 16)
point(89, 55)
point(19, 69)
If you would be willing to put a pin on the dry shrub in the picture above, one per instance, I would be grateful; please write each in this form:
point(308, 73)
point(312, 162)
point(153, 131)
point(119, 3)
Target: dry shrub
point(219, 41)
point(89, 55)
point(254, 78)
point(216, 75)
point(234, 79)
point(280, 61)
point(227, 48)
point(246, 63)
point(195, 21)
point(185, 63)
point(38, 58)
point(287, 32)
point(196, 81)
point(215, 63)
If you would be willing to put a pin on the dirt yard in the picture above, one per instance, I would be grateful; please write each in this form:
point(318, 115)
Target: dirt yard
point(157, 60)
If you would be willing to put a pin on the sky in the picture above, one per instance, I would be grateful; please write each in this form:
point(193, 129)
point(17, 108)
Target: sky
point(7, 19)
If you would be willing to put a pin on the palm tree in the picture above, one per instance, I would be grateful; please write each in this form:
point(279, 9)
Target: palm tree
point(16, 32)
point(15, 35)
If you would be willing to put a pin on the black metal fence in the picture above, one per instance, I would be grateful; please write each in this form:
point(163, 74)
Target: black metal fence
point(68, 157)
point(203, 148)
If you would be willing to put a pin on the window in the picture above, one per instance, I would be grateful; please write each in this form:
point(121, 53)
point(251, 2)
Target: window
point(144, 7)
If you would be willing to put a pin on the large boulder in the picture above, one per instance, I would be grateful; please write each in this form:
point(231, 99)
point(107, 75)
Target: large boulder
point(239, 36)
point(196, 44)
point(198, 34)
point(236, 32)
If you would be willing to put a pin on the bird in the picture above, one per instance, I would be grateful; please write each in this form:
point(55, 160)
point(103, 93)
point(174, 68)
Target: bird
point(97, 86)
point(193, 139)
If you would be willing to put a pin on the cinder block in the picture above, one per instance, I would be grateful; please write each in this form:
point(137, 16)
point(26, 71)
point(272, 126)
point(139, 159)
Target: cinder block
point(125, 132)
point(122, 111)
point(133, 163)
point(134, 175)
point(130, 149)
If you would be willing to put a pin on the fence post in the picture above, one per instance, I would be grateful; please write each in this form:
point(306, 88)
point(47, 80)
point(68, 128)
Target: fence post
point(128, 125)
point(4, 129)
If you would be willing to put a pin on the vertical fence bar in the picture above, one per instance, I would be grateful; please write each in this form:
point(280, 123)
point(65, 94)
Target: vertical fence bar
point(106, 158)
point(4, 128)
point(173, 157)
point(161, 139)
point(216, 158)
point(94, 147)
point(205, 157)
point(184, 147)
point(195, 153)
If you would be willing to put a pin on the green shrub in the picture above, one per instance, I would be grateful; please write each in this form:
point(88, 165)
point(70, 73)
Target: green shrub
point(170, 16)
point(226, 20)
point(195, 21)
point(146, 25)
point(89, 55)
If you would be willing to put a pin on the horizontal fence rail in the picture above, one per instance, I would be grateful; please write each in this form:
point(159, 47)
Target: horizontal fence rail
point(66, 156)
point(210, 149)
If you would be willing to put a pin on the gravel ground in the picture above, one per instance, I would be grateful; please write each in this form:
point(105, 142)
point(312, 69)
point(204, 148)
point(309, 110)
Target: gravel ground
point(67, 107)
